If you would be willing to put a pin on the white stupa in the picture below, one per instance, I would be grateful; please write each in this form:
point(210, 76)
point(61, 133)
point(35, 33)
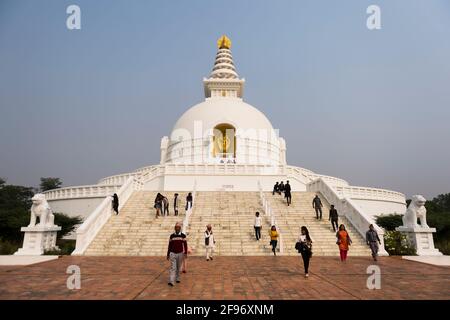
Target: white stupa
point(223, 129)
point(225, 144)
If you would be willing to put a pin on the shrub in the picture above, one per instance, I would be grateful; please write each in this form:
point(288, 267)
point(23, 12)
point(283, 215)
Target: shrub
point(8, 247)
point(443, 246)
point(66, 223)
point(397, 244)
point(66, 247)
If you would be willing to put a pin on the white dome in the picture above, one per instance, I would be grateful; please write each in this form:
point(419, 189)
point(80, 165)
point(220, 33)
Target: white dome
point(216, 111)
point(193, 139)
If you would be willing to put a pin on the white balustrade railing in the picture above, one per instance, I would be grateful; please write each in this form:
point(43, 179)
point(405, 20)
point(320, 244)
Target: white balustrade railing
point(271, 216)
point(111, 184)
point(90, 191)
point(118, 179)
point(222, 169)
point(97, 219)
point(344, 190)
point(144, 169)
point(122, 178)
point(349, 209)
point(190, 210)
point(150, 173)
point(306, 176)
point(354, 192)
point(143, 174)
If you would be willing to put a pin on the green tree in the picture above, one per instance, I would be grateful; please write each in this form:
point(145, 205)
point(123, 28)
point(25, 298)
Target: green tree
point(50, 183)
point(389, 222)
point(443, 202)
point(66, 223)
point(15, 204)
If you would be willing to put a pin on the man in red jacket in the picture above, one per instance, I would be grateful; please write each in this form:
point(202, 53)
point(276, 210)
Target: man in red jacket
point(176, 252)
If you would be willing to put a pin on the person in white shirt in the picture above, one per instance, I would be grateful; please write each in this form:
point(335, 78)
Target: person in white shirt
point(258, 225)
point(210, 243)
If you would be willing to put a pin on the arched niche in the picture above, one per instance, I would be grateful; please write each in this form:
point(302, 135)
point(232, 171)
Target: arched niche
point(224, 140)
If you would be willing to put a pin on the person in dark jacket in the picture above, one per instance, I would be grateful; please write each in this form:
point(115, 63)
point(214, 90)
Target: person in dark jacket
point(115, 203)
point(158, 204)
point(373, 240)
point(281, 187)
point(287, 193)
point(176, 204)
point(317, 205)
point(333, 217)
point(189, 201)
point(276, 188)
point(176, 252)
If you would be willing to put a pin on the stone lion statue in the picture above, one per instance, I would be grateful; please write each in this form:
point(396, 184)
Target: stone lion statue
point(40, 208)
point(416, 210)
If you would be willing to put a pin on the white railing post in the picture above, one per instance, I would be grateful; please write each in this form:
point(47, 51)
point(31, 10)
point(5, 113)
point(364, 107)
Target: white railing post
point(190, 209)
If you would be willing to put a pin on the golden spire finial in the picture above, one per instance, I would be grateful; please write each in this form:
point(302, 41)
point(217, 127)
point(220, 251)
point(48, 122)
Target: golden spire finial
point(224, 42)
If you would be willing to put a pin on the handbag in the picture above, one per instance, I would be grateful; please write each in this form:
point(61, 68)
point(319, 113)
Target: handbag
point(303, 247)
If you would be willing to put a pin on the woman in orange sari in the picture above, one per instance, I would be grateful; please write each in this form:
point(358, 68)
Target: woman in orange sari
point(343, 241)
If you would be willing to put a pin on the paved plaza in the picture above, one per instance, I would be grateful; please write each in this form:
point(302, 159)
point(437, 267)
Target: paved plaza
point(238, 278)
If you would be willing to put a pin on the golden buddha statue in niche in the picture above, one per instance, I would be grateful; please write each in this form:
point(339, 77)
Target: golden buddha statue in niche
point(224, 141)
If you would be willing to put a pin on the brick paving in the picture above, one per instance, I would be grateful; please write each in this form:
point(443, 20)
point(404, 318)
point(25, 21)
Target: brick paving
point(225, 278)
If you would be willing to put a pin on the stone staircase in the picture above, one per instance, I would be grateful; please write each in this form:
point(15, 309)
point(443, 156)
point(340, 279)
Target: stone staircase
point(136, 231)
point(301, 213)
point(232, 216)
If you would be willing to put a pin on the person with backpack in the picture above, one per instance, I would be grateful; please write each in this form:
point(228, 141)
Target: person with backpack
point(343, 241)
point(210, 243)
point(304, 247)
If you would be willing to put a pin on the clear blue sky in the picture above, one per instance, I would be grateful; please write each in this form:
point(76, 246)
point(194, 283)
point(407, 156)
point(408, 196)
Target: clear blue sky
point(372, 107)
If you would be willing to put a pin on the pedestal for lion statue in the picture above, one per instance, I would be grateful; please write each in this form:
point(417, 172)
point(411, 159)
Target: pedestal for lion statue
point(420, 235)
point(41, 236)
